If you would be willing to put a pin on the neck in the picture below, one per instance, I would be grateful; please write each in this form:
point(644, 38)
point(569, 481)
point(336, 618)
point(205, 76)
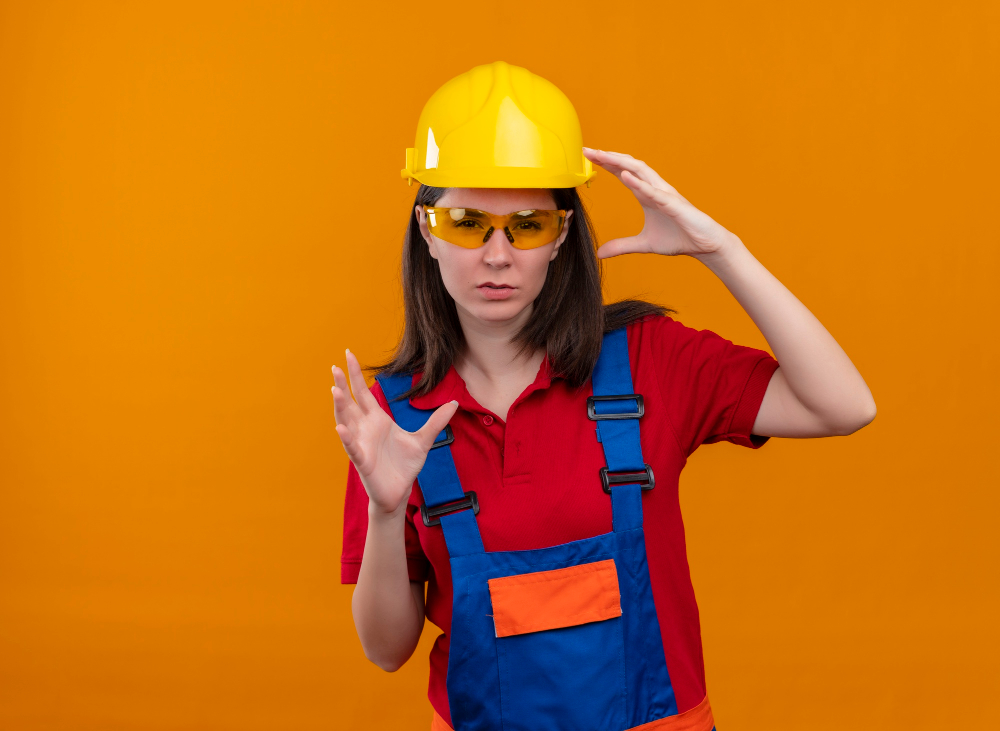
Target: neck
point(490, 352)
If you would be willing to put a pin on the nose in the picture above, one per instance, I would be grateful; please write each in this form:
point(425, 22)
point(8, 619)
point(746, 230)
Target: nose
point(497, 251)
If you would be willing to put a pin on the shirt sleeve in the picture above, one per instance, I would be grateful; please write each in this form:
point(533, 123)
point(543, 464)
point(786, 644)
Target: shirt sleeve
point(713, 388)
point(356, 524)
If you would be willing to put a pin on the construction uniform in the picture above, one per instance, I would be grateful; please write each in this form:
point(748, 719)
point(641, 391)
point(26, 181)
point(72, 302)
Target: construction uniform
point(552, 541)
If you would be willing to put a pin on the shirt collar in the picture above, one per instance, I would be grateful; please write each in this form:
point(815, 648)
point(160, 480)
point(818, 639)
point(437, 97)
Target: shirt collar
point(453, 387)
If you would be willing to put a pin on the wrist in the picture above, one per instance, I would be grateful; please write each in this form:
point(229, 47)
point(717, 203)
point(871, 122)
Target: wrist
point(730, 251)
point(380, 515)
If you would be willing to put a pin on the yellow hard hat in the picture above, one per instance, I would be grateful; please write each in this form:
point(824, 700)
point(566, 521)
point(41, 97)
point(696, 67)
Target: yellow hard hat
point(498, 126)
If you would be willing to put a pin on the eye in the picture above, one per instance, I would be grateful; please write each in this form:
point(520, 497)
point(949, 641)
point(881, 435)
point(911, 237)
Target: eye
point(468, 223)
point(528, 226)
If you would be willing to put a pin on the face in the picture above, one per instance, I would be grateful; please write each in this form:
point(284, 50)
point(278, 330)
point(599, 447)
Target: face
point(495, 283)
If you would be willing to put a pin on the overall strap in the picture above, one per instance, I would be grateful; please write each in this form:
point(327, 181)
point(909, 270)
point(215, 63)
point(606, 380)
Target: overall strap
point(438, 478)
point(617, 409)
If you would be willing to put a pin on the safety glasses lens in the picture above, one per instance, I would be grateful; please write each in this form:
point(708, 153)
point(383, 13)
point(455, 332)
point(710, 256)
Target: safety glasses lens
point(531, 229)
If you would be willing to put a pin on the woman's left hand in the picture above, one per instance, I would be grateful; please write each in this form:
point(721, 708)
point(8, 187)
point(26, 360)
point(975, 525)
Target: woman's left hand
point(672, 225)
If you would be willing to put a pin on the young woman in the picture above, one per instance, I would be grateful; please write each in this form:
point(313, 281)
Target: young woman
point(549, 430)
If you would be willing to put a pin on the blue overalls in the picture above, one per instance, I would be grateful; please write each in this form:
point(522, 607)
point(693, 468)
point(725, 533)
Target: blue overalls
point(564, 638)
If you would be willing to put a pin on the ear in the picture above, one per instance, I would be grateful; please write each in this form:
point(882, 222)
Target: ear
point(424, 231)
point(562, 234)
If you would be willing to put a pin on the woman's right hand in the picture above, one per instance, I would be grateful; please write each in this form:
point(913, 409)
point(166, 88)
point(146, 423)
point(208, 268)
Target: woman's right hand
point(387, 458)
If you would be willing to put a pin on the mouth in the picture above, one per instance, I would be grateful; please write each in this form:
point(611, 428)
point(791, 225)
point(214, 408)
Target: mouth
point(493, 291)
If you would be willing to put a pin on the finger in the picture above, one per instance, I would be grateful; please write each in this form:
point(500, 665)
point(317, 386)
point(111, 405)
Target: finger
point(350, 444)
point(343, 404)
point(673, 205)
point(361, 393)
point(619, 167)
point(436, 423)
point(645, 173)
point(346, 438)
point(600, 158)
point(616, 162)
point(345, 411)
point(339, 378)
point(347, 420)
point(662, 199)
point(627, 245)
point(639, 188)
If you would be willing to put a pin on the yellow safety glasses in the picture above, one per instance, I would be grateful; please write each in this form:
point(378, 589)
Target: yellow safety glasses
point(471, 228)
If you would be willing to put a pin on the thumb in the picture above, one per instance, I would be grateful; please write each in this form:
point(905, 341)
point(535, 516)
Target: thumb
point(437, 421)
point(616, 247)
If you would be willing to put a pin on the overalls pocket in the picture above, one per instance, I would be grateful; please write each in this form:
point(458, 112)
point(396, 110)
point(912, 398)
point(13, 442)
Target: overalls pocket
point(560, 649)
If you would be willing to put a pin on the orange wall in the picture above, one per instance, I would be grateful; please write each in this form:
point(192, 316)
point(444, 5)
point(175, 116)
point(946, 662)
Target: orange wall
point(176, 278)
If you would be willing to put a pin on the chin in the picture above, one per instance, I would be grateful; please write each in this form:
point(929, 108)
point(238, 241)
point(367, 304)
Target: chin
point(496, 311)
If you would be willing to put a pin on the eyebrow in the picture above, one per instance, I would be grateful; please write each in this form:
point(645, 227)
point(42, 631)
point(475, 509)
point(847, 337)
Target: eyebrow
point(474, 212)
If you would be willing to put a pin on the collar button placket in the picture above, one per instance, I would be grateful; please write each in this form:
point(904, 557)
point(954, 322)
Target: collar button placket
point(496, 440)
point(509, 465)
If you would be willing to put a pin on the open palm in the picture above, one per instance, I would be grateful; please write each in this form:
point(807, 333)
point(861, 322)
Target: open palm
point(672, 225)
point(387, 458)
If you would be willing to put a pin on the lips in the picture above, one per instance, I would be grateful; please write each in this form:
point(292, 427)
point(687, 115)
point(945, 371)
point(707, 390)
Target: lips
point(495, 291)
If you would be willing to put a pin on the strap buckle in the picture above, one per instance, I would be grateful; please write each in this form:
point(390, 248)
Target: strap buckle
point(594, 416)
point(449, 437)
point(644, 478)
point(432, 516)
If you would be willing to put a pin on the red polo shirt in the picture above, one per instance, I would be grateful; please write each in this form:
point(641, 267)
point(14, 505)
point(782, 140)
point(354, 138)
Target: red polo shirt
point(536, 476)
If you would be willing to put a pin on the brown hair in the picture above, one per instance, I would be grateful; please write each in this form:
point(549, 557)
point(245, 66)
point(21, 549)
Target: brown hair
point(568, 320)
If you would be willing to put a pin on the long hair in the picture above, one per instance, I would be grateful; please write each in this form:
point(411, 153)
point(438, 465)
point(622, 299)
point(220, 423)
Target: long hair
point(568, 320)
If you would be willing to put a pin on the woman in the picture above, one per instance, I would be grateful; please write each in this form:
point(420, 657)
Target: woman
point(546, 520)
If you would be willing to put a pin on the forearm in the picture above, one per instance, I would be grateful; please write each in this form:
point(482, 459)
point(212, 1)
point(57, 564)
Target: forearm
point(387, 613)
point(817, 370)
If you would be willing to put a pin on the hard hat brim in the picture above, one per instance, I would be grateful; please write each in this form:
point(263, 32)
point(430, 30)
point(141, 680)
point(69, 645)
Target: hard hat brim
point(499, 177)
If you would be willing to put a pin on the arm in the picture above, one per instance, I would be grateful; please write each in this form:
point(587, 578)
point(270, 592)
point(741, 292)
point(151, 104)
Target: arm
point(388, 608)
point(817, 391)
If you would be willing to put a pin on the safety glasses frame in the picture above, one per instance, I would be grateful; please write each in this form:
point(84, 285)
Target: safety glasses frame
point(545, 222)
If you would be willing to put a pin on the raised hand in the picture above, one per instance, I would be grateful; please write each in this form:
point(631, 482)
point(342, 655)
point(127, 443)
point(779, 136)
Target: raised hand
point(672, 225)
point(387, 458)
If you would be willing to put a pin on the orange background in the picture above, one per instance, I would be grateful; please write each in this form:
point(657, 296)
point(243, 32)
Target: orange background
point(177, 276)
